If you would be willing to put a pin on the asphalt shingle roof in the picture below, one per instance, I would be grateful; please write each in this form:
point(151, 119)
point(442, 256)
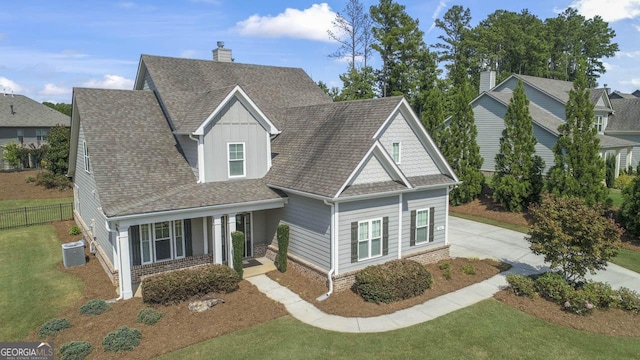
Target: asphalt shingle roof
point(322, 144)
point(559, 88)
point(187, 82)
point(540, 116)
point(626, 116)
point(28, 113)
point(611, 142)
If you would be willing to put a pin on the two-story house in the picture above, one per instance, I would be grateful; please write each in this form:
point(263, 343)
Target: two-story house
point(26, 122)
point(164, 173)
point(547, 105)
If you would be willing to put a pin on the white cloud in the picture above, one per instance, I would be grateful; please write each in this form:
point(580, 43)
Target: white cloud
point(110, 82)
point(637, 27)
point(189, 54)
point(609, 10)
point(54, 90)
point(608, 66)
point(634, 82)
point(347, 59)
point(628, 54)
point(10, 86)
point(311, 23)
point(436, 14)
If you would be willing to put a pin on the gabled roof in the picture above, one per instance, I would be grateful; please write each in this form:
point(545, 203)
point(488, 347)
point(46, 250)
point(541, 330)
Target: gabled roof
point(28, 113)
point(543, 118)
point(185, 82)
point(620, 95)
point(626, 116)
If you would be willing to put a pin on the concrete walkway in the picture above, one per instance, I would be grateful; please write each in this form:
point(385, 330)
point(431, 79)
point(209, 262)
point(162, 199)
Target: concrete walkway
point(467, 239)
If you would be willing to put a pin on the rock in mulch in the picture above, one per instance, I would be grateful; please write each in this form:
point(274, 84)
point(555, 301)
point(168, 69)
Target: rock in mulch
point(204, 304)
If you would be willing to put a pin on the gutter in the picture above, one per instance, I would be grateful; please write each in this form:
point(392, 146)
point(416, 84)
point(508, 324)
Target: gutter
point(397, 192)
point(333, 251)
point(120, 280)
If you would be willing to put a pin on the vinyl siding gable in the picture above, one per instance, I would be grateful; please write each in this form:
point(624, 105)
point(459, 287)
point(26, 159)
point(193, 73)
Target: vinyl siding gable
point(536, 97)
point(372, 172)
point(489, 117)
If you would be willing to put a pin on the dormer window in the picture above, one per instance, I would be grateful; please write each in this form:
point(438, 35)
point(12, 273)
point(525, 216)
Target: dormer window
point(601, 124)
point(236, 160)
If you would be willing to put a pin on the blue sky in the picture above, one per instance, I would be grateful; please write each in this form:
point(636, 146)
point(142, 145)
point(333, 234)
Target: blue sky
point(47, 48)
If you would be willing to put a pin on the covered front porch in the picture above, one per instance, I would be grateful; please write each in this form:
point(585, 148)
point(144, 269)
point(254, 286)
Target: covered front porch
point(614, 146)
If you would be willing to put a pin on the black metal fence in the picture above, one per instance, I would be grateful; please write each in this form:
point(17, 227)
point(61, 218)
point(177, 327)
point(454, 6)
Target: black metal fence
point(34, 215)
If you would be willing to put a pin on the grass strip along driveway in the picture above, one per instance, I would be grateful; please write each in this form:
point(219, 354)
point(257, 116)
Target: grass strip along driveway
point(487, 330)
point(32, 289)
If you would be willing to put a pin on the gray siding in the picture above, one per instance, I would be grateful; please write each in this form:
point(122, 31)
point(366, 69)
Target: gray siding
point(148, 82)
point(366, 210)
point(635, 156)
point(414, 158)
point(258, 226)
point(90, 202)
point(309, 223)
point(235, 124)
point(190, 150)
point(544, 147)
point(419, 201)
point(197, 235)
point(537, 97)
point(489, 118)
point(373, 171)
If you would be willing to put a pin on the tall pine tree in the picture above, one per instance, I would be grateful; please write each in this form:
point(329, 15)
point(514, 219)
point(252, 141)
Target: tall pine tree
point(578, 170)
point(518, 177)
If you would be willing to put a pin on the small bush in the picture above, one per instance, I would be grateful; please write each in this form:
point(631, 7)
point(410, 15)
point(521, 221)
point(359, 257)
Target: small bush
point(601, 294)
point(177, 286)
point(74, 230)
point(521, 285)
point(52, 327)
point(123, 339)
point(552, 286)
point(283, 247)
point(75, 350)
point(468, 269)
point(444, 265)
point(29, 179)
point(623, 180)
point(392, 281)
point(446, 273)
point(94, 307)
point(628, 300)
point(149, 316)
point(237, 238)
point(578, 302)
point(50, 180)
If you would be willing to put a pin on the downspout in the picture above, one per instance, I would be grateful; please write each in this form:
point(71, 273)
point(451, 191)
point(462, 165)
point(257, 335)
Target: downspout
point(333, 257)
point(106, 225)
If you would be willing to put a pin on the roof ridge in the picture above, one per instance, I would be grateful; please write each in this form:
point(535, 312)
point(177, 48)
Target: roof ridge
point(220, 62)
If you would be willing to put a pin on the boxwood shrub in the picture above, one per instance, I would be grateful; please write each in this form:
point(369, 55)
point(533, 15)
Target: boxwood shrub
point(52, 327)
point(392, 281)
point(553, 286)
point(149, 316)
point(123, 339)
point(177, 286)
point(94, 307)
point(75, 350)
point(521, 285)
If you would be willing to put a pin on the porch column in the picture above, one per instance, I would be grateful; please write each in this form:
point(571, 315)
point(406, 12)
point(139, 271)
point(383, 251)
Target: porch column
point(217, 239)
point(232, 229)
point(125, 263)
point(205, 235)
point(629, 155)
point(617, 162)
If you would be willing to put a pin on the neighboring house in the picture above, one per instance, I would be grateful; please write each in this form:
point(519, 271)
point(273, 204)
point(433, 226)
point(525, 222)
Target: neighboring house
point(547, 106)
point(25, 121)
point(620, 95)
point(164, 173)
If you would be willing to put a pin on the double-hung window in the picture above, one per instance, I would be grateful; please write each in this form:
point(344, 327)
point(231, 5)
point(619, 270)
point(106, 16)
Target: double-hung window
point(20, 135)
point(600, 124)
point(396, 152)
point(87, 165)
point(422, 226)
point(41, 134)
point(236, 160)
point(369, 239)
point(178, 237)
point(162, 240)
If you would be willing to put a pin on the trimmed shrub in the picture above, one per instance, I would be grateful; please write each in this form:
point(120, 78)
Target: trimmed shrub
point(392, 281)
point(75, 350)
point(552, 286)
point(445, 266)
point(628, 300)
point(631, 207)
point(149, 316)
point(177, 286)
point(94, 307)
point(610, 172)
point(123, 339)
point(237, 237)
point(52, 327)
point(521, 285)
point(623, 180)
point(283, 247)
point(578, 302)
point(74, 230)
point(601, 294)
point(468, 269)
point(29, 179)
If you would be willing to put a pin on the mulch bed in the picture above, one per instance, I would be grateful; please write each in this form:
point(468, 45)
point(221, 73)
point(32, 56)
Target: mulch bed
point(14, 186)
point(347, 303)
point(486, 208)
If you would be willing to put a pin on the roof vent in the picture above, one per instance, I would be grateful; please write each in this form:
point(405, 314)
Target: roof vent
point(220, 44)
point(221, 54)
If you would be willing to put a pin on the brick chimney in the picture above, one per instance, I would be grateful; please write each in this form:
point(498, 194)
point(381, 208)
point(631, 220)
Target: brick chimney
point(487, 80)
point(221, 54)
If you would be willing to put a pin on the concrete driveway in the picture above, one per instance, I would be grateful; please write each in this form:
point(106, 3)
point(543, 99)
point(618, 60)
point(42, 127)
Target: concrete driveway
point(473, 239)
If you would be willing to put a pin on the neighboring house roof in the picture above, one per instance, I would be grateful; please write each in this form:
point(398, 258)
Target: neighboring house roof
point(626, 116)
point(559, 89)
point(28, 113)
point(620, 95)
point(543, 118)
point(611, 142)
point(185, 83)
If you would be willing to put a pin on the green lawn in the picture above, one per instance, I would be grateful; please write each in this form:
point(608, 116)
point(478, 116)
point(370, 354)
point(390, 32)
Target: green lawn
point(32, 289)
point(616, 197)
point(20, 203)
point(480, 219)
point(488, 330)
point(628, 259)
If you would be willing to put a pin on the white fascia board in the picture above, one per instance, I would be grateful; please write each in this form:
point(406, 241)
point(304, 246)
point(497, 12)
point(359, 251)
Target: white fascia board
point(355, 171)
point(137, 84)
point(388, 162)
point(388, 121)
point(246, 100)
point(75, 136)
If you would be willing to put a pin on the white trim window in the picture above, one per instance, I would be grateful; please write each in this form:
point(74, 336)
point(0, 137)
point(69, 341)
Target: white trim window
point(41, 134)
point(145, 244)
point(396, 151)
point(178, 239)
point(369, 239)
point(601, 124)
point(422, 226)
point(20, 135)
point(162, 241)
point(235, 154)
point(87, 164)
